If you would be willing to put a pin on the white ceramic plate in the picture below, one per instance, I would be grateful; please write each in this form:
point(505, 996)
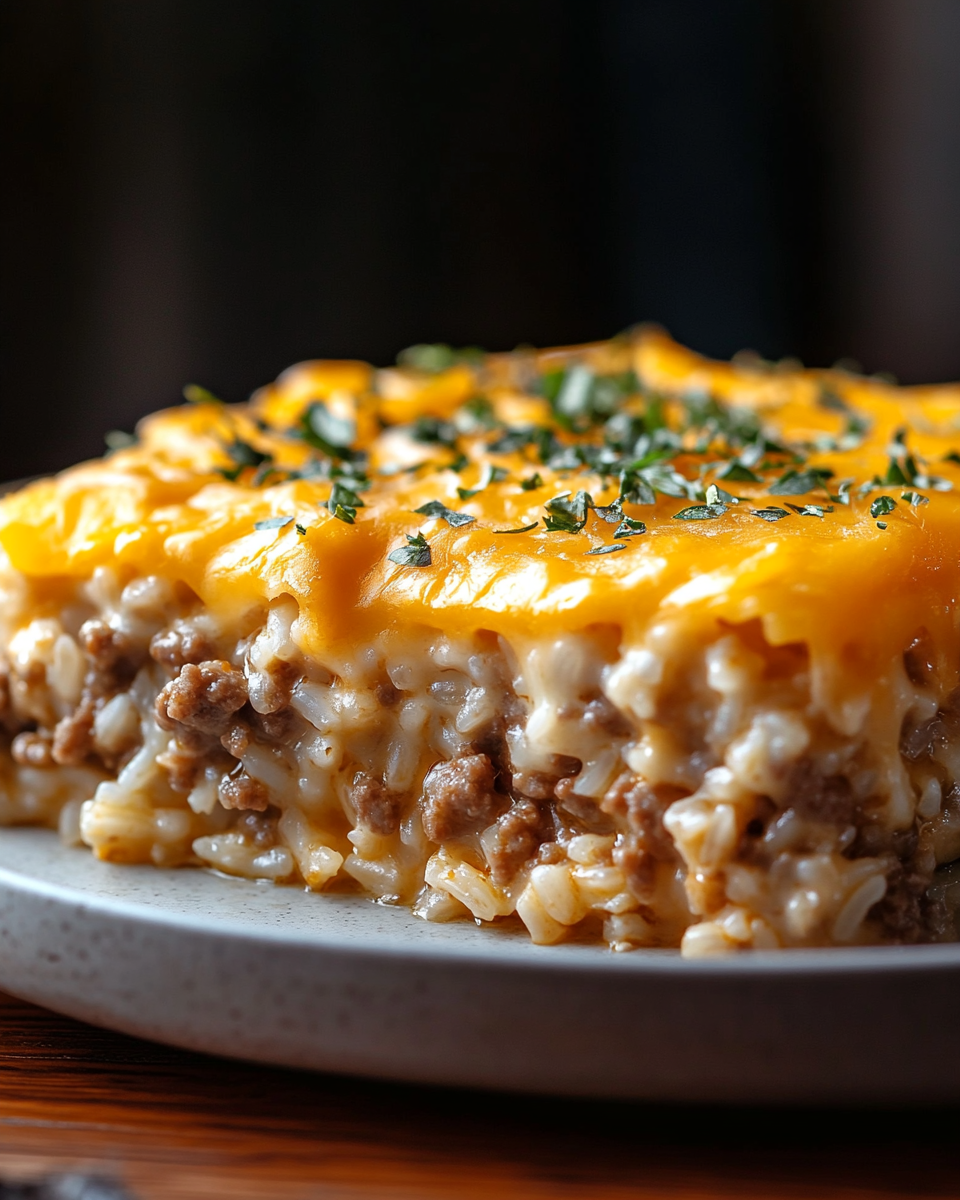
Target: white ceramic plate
point(340, 984)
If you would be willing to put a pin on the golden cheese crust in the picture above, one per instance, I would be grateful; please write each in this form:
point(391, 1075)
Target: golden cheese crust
point(609, 492)
point(836, 581)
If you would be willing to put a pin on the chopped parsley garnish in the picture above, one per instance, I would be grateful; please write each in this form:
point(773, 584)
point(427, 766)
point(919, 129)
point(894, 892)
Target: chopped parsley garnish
point(914, 498)
point(882, 505)
point(325, 431)
point(566, 515)
point(700, 512)
point(736, 426)
point(811, 510)
point(881, 524)
point(343, 502)
point(952, 456)
point(272, 523)
point(736, 472)
point(770, 514)
point(522, 529)
point(245, 455)
point(830, 400)
point(475, 416)
point(716, 495)
point(456, 464)
point(433, 431)
point(416, 553)
point(573, 394)
point(512, 439)
point(437, 356)
point(798, 483)
point(434, 508)
point(635, 488)
point(901, 471)
point(117, 439)
point(491, 474)
point(195, 394)
point(611, 513)
point(268, 471)
point(581, 398)
point(532, 482)
point(301, 529)
point(629, 528)
point(666, 479)
point(607, 549)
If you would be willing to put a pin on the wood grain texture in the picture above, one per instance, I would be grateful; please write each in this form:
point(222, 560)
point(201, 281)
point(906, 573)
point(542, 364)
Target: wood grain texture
point(176, 1125)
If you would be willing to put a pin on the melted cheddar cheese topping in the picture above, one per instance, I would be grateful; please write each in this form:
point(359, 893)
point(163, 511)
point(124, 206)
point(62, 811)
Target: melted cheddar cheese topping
point(647, 429)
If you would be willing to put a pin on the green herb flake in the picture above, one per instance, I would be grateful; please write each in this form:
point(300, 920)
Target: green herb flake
point(811, 510)
point(611, 513)
point(325, 431)
point(736, 472)
point(716, 495)
point(566, 515)
point(434, 358)
point(193, 393)
point(490, 475)
point(635, 488)
point(882, 505)
point(798, 483)
point(855, 430)
point(434, 508)
point(301, 529)
point(416, 553)
point(343, 502)
point(573, 395)
point(272, 523)
point(432, 431)
point(522, 529)
point(830, 400)
point(118, 439)
point(901, 472)
point(881, 524)
point(914, 498)
point(475, 416)
point(245, 455)
point(629, 528)
point(607, 549)
point(952, 456)
point(700, 512)
point(533, 482)
point(770, 514)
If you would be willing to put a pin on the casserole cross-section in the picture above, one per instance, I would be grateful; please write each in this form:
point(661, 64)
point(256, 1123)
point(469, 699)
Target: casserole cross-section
point(607, 642)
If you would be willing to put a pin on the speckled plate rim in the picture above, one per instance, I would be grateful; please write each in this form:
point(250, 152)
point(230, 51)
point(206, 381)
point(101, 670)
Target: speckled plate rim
point(337, 983)
point(411, 937)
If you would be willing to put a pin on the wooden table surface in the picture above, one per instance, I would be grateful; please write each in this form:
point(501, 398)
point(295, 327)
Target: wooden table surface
point(167, 1123)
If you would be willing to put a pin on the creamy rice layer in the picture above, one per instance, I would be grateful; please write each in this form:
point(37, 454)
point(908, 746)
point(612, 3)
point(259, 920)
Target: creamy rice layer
point(701, 788)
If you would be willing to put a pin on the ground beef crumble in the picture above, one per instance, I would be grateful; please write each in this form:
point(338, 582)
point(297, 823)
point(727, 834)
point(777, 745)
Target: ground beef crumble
point(820, 797)
point(517, 835)
point(243, 791)
point(377, 808)
point(647, 843)
point(175, 647)
point(459, 797)
point(259, 827)
point(73, 736)
point(203, 697)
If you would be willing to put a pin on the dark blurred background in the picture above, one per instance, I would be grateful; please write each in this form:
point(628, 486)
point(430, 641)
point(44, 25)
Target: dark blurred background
point(211, 190)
